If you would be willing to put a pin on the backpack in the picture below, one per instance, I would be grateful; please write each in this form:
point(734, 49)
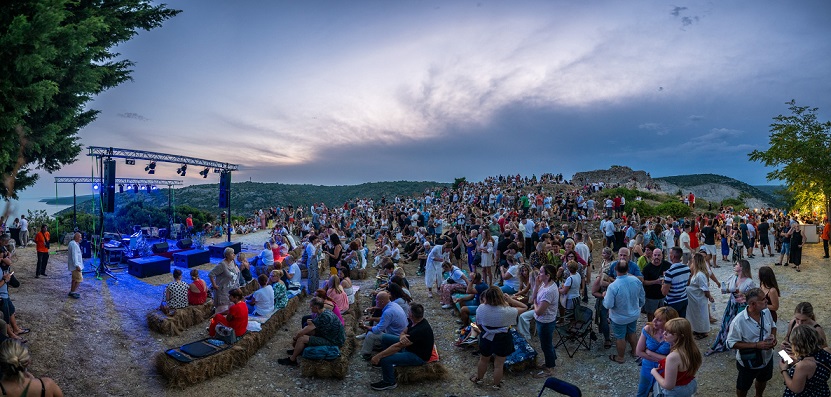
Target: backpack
point(321, 352)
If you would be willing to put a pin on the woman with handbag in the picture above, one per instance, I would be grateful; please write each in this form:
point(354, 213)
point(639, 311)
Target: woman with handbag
point(736, 286)
point(675, 375)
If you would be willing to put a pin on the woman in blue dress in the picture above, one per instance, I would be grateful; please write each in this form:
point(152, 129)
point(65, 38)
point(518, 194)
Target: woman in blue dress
point(652, 347)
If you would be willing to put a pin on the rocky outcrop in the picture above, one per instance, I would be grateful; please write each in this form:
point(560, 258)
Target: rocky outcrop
point(615, 175)
point(712, 192)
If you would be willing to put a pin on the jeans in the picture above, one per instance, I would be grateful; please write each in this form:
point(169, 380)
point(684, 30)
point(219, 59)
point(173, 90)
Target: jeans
point(523, 325)
point(546, 333)
point(680, 307)
point(646, 380)
point(508, 290)
point(401, 359)
point(603, 318)
point(824, 245)
point(678, 391)
point(43, 260)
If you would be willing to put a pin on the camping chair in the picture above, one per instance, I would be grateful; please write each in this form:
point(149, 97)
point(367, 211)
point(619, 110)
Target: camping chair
point(561, 387)
point(578, 331)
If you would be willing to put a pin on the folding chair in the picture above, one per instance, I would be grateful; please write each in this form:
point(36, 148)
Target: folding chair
point(578, 331)
point(561, 387)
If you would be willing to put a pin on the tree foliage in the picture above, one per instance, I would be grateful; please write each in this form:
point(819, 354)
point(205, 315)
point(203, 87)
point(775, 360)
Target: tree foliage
point(800, 151)
point(55, 56)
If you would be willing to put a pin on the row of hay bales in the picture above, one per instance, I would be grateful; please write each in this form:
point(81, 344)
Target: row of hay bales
point(339, 367)
point(181, 375)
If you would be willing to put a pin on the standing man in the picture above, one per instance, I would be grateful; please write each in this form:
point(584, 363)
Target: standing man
point(624, 299)
point(189, 224)
point(825, 227)
point(676, 279)
point(432, 269)
point(684, 241)
point(75, 264)
point(709, 233)
point(753, 333)
point(24, 231)
point(653, 281)
point(309, 259)
point(42, 246)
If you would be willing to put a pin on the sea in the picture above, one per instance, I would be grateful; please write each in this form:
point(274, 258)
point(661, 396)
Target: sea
point(24, 204)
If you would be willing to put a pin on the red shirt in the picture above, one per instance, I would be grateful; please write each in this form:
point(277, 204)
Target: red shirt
point(198, 298)
point(239, 314)
point(189, 222)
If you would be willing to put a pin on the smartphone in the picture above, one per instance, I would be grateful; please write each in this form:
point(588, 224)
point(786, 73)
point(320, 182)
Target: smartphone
point(785, 357)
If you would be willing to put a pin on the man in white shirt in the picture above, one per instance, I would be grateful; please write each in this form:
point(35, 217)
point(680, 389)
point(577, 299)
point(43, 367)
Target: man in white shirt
point(684, 242)
point(753, 329)
point(75, 264)
point(24, 231)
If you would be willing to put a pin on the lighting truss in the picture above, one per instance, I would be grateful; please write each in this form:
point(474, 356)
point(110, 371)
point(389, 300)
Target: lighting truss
point(119, 181)
point(99, 151)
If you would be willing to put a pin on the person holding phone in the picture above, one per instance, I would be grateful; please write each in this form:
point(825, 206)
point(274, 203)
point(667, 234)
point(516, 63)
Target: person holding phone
point(809, 375)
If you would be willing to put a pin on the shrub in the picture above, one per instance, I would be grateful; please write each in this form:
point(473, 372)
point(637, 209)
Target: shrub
point(736, 203)
point(643, 208)
point(674, 209)
point(630, 194)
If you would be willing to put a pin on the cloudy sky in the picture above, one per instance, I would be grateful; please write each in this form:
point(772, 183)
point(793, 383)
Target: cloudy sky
point(332, 92)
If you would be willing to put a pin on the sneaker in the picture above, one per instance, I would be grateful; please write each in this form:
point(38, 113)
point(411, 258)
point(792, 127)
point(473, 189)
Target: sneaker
point(361, 336)
point(75, 295)
point(429, 294)
point(446, 306)
point(383, 386)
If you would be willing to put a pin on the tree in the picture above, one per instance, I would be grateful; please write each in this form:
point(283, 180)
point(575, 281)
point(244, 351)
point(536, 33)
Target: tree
point(55, 55)
point(800, 149)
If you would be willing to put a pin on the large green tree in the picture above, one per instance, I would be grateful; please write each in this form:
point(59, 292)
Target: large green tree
point(800, 151)
point(55, 56)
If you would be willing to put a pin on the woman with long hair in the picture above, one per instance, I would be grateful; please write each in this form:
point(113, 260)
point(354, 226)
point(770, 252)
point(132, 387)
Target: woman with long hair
point(809, 375)
point(335, 291)
point(768, 284)
point(16, 379)
point(485, 249)
point(545, 315)
point(334, 253)
point(798, 238)
point(698, 294)
point(652, 347)
point(497, 312)
point(803, 315)
point(675, 375)
point(736, 286)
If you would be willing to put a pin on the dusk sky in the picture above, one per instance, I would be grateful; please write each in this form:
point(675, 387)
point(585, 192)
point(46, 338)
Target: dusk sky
point(333, 92)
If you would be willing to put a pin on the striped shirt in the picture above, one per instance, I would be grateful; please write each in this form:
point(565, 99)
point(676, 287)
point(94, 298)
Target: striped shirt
point(678, 276)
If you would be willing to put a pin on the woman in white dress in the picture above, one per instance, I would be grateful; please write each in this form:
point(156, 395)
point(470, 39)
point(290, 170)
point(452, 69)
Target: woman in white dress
point(486, 251)
point(698, 294)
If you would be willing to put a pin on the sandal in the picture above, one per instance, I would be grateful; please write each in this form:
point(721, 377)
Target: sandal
point(476, 380)
point(709, 353)
point(543, 375)
point(797, 268)
point(497, 386)
point(607, 344)
point(24, 331)
point(613, 357)
point(700, 336)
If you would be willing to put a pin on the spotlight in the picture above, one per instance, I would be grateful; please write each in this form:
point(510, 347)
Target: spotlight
point(182, 170)
point(120, 188)
point(130, 161)
point(151, 168)
point(129, 187)
point(153, 187)
point(95, 186)
point(148, 188)
point(217, 170)
point(135, 188)
point(205, 172)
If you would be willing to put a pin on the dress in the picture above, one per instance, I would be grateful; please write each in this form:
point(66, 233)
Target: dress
point(796, 250)
point(817, 385)
point(487, 256)
point(646, 378)
point(697, 312)
point(730, 311)
point(227, 276)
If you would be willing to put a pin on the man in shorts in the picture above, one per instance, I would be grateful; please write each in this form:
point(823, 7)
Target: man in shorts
point(624, 299)
point(324, 330)
point(753, 329)
point(75, 264)
point(709, 233)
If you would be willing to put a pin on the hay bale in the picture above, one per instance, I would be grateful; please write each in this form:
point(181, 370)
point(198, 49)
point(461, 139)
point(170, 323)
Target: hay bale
point(250, 288)
point(359, 274)
point(181, 375)
point(181, 319)
point(426, 372)
point(339, 367)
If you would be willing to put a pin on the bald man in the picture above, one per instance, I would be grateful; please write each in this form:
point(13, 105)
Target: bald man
point(75, 264)
point(392, 323)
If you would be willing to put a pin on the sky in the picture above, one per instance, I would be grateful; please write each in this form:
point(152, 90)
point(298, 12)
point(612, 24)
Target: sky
point(336, 93)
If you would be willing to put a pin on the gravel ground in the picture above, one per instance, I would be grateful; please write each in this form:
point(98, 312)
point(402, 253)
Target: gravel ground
point(100, 345)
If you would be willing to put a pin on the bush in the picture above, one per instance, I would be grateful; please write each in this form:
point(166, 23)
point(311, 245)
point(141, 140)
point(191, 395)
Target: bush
point(630, 194)
point(736, 203)
point(674, 209)
point(643, 208)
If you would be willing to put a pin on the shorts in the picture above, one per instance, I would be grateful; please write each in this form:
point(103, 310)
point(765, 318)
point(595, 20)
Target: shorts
point(8, 309)
point(746, 376)
point(651, 305)
point(619, 331)
point(764, 241)
point(610, 239)
point(318, 341)
point(746, 242)
point(77, 276)
point(711, 249)
point(502, 345)
point(786, 248)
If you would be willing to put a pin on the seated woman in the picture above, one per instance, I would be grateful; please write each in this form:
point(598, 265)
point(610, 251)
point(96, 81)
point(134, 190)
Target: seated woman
point(17, 380)
point(236, 317)
point(244, 269)
point(335, 292)
point(524, 284)
point(399, 297)
point(175, 295)
point(197, 290)
point(470, 301)
point(293, 274)
point(261, 302)
point(399, 271)
point(346, 284)
point(262, 261)
point(330, 305)
point(281, 298)
point(570, 292)
point(457, 282)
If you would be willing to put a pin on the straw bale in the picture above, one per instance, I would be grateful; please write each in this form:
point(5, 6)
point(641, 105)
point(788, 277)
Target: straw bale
point(180, 375)
point(426, 372)
point(339, 367)
point(181, 319)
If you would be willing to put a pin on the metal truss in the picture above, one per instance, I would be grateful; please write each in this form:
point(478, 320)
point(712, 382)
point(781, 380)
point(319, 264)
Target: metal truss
point(99, 151)
point(119, 181)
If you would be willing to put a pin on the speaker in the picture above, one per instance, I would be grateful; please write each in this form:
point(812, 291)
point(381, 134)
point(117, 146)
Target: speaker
point(184, 243)
point(159, 247)
point(224, 189)
point(108, 190)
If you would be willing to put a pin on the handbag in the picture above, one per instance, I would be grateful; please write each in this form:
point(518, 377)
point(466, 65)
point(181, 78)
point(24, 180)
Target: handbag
point(753, 358)
point(14, 282)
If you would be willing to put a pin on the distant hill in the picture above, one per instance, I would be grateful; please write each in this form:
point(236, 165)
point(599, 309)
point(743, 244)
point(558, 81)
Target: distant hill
point(707, 186)
point(66, 200)
point(251, 196)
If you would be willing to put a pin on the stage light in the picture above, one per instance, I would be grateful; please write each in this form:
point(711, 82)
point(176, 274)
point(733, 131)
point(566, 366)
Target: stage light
point(154, 187)
point(95, 186)
point(148, 188)
point(129, 187)
point(135, 188)
point(217, 170)
point(151, 168)
point(205, 172)
point(182, 170)
point(130, 161)
point(120, 188)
